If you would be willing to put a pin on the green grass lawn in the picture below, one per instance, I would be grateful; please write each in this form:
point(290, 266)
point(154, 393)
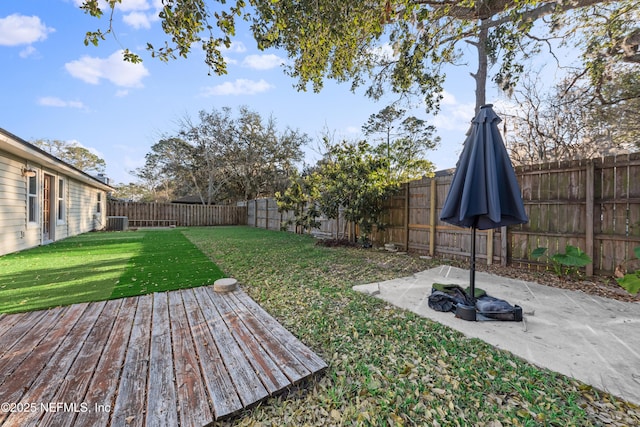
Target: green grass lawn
point(388, 366)
point(100, 266)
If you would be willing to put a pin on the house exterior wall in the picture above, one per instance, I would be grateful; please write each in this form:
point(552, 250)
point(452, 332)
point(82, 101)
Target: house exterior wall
point(73, 199)
point(83, 214)
point(14, 235)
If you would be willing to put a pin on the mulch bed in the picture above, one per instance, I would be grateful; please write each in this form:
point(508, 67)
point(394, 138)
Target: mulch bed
point(603, 286)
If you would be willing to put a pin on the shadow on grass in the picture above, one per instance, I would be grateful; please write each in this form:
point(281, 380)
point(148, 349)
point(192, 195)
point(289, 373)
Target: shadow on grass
point(166, 261)
point(101, 266)
point(50, 287)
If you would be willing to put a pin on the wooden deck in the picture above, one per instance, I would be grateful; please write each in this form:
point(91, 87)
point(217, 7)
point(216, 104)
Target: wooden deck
point(181, 358)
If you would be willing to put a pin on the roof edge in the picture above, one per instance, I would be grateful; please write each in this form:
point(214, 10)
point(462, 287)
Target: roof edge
point(27, 146)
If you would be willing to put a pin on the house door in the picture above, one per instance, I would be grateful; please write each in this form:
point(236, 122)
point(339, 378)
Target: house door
point(47, 211)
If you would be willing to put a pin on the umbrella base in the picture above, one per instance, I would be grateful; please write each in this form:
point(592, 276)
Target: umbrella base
point(466, 312)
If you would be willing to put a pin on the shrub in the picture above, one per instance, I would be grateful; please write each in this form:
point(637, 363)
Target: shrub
point(631, 281)
point(567, 263)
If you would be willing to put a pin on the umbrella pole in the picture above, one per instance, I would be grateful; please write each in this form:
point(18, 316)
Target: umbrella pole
point(472, 273)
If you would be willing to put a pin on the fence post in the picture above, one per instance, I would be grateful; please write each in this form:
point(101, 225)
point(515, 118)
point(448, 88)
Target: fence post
point(432, 219)
point(590, 194)
point(255, 213)
point(490, 246)
point(266, 213)
point(503, 245)
point(406, 217)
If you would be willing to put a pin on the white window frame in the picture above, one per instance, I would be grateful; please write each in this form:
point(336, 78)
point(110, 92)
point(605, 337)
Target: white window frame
point(33, 202)
point(60, 197)
point(99, 203)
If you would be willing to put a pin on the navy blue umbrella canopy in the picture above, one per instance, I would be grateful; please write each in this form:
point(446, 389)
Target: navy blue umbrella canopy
point(484, 192)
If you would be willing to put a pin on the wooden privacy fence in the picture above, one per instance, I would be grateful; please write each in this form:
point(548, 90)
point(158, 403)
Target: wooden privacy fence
point(182, 215)
point(263, 213)
point(591, 204)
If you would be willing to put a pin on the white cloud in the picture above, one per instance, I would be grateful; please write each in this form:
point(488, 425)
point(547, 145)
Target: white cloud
point(141, 13)
point(18, 29)
point(133, 5)
point(236, 47)
point(52, 101)
point(90, 149)
point(124, 5)
point(137, 20)
point(238, 87)
point(27, 51)
point(448, 99)
point(385, 52)
point(262, 62)
point(454, 115)
point(114, 69)
point(138, 14)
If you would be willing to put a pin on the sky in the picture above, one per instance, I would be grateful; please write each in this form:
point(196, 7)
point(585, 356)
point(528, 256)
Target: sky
point(55, 87)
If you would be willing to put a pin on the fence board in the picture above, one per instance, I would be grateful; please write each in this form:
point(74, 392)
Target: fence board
point(164, 214)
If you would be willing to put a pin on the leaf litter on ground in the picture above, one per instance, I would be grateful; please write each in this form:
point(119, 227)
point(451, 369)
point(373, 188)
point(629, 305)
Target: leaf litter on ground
point(387, 366)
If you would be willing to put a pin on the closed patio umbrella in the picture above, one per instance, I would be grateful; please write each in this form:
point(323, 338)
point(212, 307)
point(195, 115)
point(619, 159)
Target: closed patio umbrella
point(484, 192)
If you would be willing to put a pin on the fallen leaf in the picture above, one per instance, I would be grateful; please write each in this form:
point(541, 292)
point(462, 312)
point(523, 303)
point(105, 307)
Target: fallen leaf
point(336, 415)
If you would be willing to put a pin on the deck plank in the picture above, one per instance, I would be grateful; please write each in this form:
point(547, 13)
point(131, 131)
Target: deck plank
point(74, 386)
point(24, 375)
point(193, 402)
point(8, 322)
point(25, 334)
point(221, 390)
point(245, 379)
point(161, 394)
point(281, 351)
point(46, 384)
point(270, 372)
point(103, 387)
point(287, 340)
point(129, 407)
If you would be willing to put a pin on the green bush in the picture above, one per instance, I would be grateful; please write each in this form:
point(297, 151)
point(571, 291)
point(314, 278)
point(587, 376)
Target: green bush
point(565, 264)
point(631, 281)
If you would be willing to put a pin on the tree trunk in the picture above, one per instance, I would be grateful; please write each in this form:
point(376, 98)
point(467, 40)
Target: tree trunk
point(481, 75)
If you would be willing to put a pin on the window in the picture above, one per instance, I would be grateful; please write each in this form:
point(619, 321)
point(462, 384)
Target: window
point(32, 199)
point(61, 205)
point(99, 207)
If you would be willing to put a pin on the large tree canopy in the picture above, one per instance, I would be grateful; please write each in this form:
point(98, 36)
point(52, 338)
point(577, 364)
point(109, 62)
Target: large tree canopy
point(344, 40)
point(574, 120)
point(74, 154)
point(404, 141)
point(220, 157)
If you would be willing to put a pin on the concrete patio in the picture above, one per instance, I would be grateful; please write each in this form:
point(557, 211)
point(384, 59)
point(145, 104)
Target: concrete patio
point(595, 340)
